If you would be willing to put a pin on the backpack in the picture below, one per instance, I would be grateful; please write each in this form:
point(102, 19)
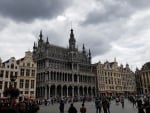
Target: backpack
point(100, 104)
point(83, 110)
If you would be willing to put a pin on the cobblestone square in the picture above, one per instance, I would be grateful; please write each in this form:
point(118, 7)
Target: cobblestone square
point(90, 106)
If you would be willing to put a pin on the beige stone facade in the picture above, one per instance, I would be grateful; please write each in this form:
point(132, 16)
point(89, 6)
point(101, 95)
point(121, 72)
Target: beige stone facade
point(24, 69)
point(8, 68)
point(27, 76)
point(113, 79)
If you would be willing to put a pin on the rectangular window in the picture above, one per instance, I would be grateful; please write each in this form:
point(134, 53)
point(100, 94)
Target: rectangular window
point(28, 64)
point(16, 73)
point(27, 84)
point(7, 73)
point(1, 84)
point(33, 72)
point(32, 92)
point(22, 72)
point(1, 73)
point(11, 73)
point(21, 83)
point(26, 92)
point(21, 92)
point(6, 85)
point(32, 83)
point(27, 72)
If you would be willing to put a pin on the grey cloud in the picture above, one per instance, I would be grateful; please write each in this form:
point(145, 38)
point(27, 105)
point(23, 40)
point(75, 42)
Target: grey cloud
point(96, 43)
point(114, 10)
point(28, 10)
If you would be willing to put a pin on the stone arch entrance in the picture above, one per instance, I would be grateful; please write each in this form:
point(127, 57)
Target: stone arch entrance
point(70, 91)
point(85, 91)
point(89, 91)
point(65, 91)
point(59, 91)
point(81, 91)
point(75, 91)
point(53, 91)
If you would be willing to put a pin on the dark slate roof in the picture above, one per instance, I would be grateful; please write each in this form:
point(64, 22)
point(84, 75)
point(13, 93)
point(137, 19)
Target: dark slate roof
point(146, 66)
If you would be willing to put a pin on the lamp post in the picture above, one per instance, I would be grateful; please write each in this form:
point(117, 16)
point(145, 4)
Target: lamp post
point(12, 81)
point(12, 92)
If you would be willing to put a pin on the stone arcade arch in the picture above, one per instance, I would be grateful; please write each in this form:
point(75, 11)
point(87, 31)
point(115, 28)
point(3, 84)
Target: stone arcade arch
point(81, 91)
point(47, 91)
point(93, 91)
point(75, 91)
point(59, 91)
point(52, 90)
point(65, 90)
point(85, 91)
point(89, 91)
point(70, 91)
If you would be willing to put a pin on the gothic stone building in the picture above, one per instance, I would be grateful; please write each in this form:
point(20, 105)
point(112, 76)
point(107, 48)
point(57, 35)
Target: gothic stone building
point(143, 79)
point(63, 72)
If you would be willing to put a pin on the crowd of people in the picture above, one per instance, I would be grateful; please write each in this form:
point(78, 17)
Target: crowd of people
point(26, 106)
point(102, 104)
point(142, 103)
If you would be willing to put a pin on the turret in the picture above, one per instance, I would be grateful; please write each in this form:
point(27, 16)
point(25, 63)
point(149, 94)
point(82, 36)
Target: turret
point(41, 35)
point(89, 56)
point(72, 41)
point(83, 50)
point(40, 40)
point(47, 42)
point(34, 47)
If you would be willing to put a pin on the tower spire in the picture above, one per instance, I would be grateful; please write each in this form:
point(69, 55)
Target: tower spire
point(47, 42)
point(83, 49)
point(72, 41)
point(89, 53)
point(89, 56)
point(41, 35)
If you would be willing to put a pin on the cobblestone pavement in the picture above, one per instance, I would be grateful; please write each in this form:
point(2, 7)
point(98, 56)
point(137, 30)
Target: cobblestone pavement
point(90, 106)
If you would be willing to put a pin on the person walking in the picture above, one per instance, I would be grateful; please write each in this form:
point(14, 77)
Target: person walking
point(72, 109)
point(147, 106)
point(61, 107)
point(140, 106)
point(98, 105)
point(122, 101)
point(105, 106)
point(108, 105)
point(83, 109)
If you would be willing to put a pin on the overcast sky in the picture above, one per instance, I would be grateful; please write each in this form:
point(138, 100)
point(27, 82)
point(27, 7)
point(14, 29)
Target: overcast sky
point(110, 28)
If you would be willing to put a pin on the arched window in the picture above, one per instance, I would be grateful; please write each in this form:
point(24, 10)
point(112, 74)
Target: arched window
point(12, 66)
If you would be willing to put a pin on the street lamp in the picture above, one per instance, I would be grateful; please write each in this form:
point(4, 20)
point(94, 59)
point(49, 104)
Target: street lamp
point(12, 92)
point(12, 80)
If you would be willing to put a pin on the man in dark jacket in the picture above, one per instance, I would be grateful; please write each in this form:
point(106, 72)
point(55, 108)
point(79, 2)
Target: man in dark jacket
point(72, 109)
point(61, 107)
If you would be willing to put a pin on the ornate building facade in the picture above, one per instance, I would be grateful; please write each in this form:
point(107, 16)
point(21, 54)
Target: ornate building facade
point(26, 79)
point(63, 71)
point(114, 79)
point(24, 70)
point(143, 79)
point(8, 68)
